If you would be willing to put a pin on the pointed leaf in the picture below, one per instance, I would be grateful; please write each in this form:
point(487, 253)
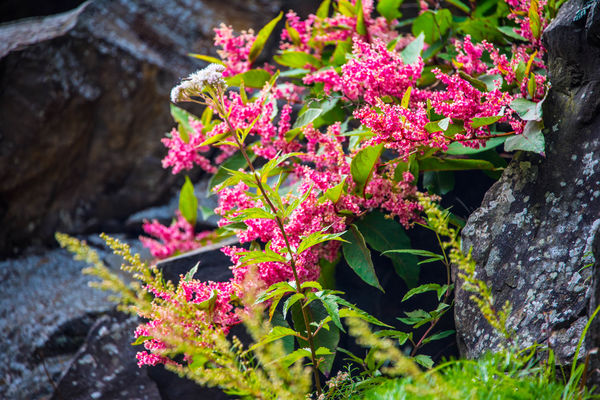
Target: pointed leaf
point(188, 203)
point(363, 165)
point(358, 257)
point(262, 37)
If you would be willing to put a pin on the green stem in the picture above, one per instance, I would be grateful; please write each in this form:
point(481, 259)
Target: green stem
point(309, 333)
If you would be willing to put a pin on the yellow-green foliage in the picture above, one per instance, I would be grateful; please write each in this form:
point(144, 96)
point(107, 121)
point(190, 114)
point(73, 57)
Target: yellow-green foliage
point(212, 358)
point(438, 220)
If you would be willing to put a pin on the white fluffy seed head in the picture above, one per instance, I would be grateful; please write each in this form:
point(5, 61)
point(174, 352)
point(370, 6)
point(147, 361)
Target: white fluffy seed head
point(193, 85)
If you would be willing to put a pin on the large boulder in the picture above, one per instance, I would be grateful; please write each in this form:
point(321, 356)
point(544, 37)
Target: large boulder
point(533, 236)
point(84, 101)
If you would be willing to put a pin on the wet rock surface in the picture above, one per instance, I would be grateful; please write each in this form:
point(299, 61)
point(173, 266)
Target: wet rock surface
point(532, 237)
point(84, 103)
point(105, 367)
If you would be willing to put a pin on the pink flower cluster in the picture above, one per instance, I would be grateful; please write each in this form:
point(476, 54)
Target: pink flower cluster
point(234, 49)
point(179, 237)
point(374, 77)
point(184, 155)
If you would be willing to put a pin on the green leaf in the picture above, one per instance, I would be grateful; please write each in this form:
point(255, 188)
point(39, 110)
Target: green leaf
point(432, 24)
point(290, 301)
point(534, 19)
point(294, 356)
point(453, 164)
point(477, 84)
point(384, 234)
point(182, 117)
point(339, 54)
point(188, 203)
point(190, 274)
point(254, 78)
point(215, 138)
point(277, 332)
point(438, 126)
point(309, 116)
point(209, 304)
point(478, 122)
point(361, 28)
point(532, 139)
point(390, 9)
point(235, 162)
point(412, 51)
point(438, 336)
point(416, 318)
point(346, 8)
point(394, 334)
point(438, 182)
point(326, 338)
point(358, 257)
point(297, 59)
point(323, 10)
point(363, 165)
point(527, 110)
point(429, 287)
point(460, 5)
point(209, 59)
point(318, 237)
point(262, 37)
point(332, 308)
point(334, 193)
point(141, 340)
point(456, 148)
point(510, 32)
point(424, 360)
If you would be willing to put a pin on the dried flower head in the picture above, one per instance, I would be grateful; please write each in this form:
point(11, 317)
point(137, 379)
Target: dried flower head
point(196, 82)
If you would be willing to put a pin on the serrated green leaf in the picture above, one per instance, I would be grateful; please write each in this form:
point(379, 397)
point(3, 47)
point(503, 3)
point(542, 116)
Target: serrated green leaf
point(262, 37)
point(395, 334)
point(235, 162)
point(416, 318)
point(429, 287)
point(290, 301)
point(295, 356)
point(412, 51)
point(318, 237)
point(363, 165)
point(424, 360)
point(188, 203)
point(277, 332)
point(327, 338)
point(358, 256)
point(432, 24)
point(333, 310)
point(438, 336)
point(254, 78)
point(215, 138)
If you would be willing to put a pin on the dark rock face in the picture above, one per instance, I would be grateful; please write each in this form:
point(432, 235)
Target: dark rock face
point(534, 231)
point(105, 367)
point(84, 103)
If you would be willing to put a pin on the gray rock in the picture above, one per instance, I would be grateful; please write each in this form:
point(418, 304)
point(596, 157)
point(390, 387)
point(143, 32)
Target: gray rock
point(84, 101)
point(534, 231)
point(40, 296)
point(105, 367)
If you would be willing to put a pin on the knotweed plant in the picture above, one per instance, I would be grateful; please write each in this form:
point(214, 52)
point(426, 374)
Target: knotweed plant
point(363, 128)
